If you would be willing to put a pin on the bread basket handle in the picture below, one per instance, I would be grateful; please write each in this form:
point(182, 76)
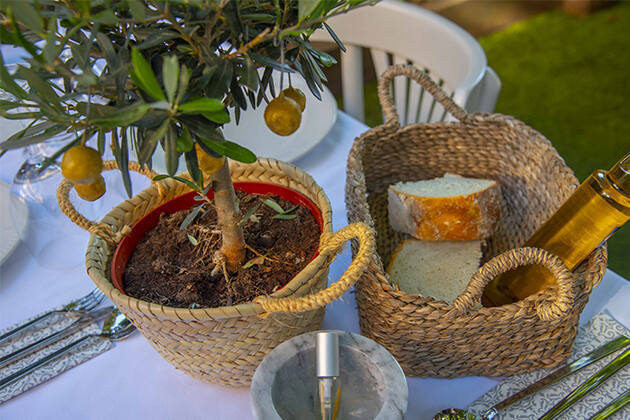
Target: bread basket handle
point(96, 228)
point(548, 306)
point(331, 245)
point(387, 102)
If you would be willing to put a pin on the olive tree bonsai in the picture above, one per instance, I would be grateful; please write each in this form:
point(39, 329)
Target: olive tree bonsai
point(142, 74)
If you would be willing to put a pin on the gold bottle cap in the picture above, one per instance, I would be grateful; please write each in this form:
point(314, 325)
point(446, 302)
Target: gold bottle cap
point(620, 175)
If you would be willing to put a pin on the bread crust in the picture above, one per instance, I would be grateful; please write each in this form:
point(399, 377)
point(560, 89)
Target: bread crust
point(454, 218)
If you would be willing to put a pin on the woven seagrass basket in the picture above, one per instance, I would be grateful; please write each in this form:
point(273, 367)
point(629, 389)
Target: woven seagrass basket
point(224, 345)
point(430, 337)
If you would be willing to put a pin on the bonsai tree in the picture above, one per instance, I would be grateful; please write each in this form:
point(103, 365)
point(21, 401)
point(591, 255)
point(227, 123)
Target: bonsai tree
point(143, 74)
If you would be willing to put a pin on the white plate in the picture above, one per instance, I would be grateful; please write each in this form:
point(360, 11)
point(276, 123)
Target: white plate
point(317, 120)
point(13, 221)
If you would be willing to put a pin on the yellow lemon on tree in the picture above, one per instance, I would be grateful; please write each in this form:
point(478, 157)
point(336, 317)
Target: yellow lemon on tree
point(297, 95)
point(81, 165)
point(93, 191)
point(208, 164)
point(283, 115)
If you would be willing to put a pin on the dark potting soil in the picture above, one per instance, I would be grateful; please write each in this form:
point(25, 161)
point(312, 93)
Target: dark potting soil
point(167, 268)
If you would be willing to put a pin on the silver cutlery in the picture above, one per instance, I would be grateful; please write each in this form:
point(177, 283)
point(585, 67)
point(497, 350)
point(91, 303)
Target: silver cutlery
point(79, 323)
point(85, 303)
point(558, 374)
point(612, 406)
point(591, 383)
point(116, 327)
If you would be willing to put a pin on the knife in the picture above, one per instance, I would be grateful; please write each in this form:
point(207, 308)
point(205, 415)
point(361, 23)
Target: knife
point(591, 383)
point(76, 325)
point(560, 373)
point(612, 407)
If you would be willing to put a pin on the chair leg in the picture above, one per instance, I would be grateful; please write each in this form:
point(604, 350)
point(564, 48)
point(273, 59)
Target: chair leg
point(352, 82)
point(483, 97)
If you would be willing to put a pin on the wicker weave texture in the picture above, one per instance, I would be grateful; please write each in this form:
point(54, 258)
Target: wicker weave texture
point(225, 345)
point(430, 337)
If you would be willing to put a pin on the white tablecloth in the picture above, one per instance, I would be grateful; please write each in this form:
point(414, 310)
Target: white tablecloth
point(132, 381)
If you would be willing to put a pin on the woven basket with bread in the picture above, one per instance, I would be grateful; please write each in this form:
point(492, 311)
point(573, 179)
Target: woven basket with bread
point(508, 179)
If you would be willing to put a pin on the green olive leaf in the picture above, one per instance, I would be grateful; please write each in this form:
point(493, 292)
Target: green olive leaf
point(170, 150)
point(25, 13)
point(156, 38)
point(269, 62)
point(100, 142)
point(144, 76)
point(238, 95)
point(335, 38)
point(306, 8)
point(285, 216)
point(121, 118)
point(249, 75)
point(8, 84)
point(192, 164)
point(105, 44)
point(170, 76)
point(192, 240)
point(269, 202)
point(221, 78)
point(106, 17)
point(38, 85)
point(148, 145)
point(201, 105)
point(219, 117)
point(231, 150)
point(188, 182)
point(25, 138)
point(184, 78)
point(136, 7)
point(124, 163)
point(184, 141)
point(191, 216)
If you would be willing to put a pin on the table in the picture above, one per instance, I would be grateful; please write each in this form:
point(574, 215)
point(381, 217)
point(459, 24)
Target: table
point(132, 381)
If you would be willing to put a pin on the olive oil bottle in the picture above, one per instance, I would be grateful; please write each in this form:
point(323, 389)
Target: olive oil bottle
point(597, 208)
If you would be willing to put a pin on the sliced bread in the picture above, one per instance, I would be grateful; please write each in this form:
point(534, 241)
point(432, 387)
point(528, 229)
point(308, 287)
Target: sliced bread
point(451, 208)
point(441, 269)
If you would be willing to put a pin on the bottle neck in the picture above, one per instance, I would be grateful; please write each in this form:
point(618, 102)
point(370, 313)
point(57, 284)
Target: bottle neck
point(603, 185)
point(619, 175)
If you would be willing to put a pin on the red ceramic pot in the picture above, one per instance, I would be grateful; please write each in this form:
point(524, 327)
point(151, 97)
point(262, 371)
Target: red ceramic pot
point(186, 201)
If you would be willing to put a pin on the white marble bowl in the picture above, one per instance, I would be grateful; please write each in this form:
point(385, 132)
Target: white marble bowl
point(373, 386)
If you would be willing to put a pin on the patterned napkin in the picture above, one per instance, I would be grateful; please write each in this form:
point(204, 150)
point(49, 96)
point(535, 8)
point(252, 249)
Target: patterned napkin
point(88, 349)
point(601, 329)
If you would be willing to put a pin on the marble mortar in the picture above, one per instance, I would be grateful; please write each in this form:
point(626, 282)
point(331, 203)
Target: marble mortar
point(373, 386)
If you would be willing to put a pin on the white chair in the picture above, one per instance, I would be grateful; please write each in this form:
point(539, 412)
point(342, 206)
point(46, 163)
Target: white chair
point(399, 33)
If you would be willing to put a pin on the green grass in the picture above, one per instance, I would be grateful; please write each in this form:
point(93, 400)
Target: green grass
point(569, 78)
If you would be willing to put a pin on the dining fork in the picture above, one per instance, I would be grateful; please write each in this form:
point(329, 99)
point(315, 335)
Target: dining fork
point(85, 303)
point(116, 327)
point(87, 318)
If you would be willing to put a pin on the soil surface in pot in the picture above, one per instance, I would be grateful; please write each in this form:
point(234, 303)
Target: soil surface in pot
point(167, 268)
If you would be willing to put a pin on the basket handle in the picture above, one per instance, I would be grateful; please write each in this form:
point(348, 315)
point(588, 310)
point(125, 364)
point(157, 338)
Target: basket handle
point(547, 307)
point(96, 228)
point(387, 102)
point(331, 245)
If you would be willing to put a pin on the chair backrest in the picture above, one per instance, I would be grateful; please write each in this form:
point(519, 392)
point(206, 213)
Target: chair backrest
point(401, 33)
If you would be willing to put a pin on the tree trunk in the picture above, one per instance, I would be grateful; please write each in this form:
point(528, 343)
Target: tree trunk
point(228, 217)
